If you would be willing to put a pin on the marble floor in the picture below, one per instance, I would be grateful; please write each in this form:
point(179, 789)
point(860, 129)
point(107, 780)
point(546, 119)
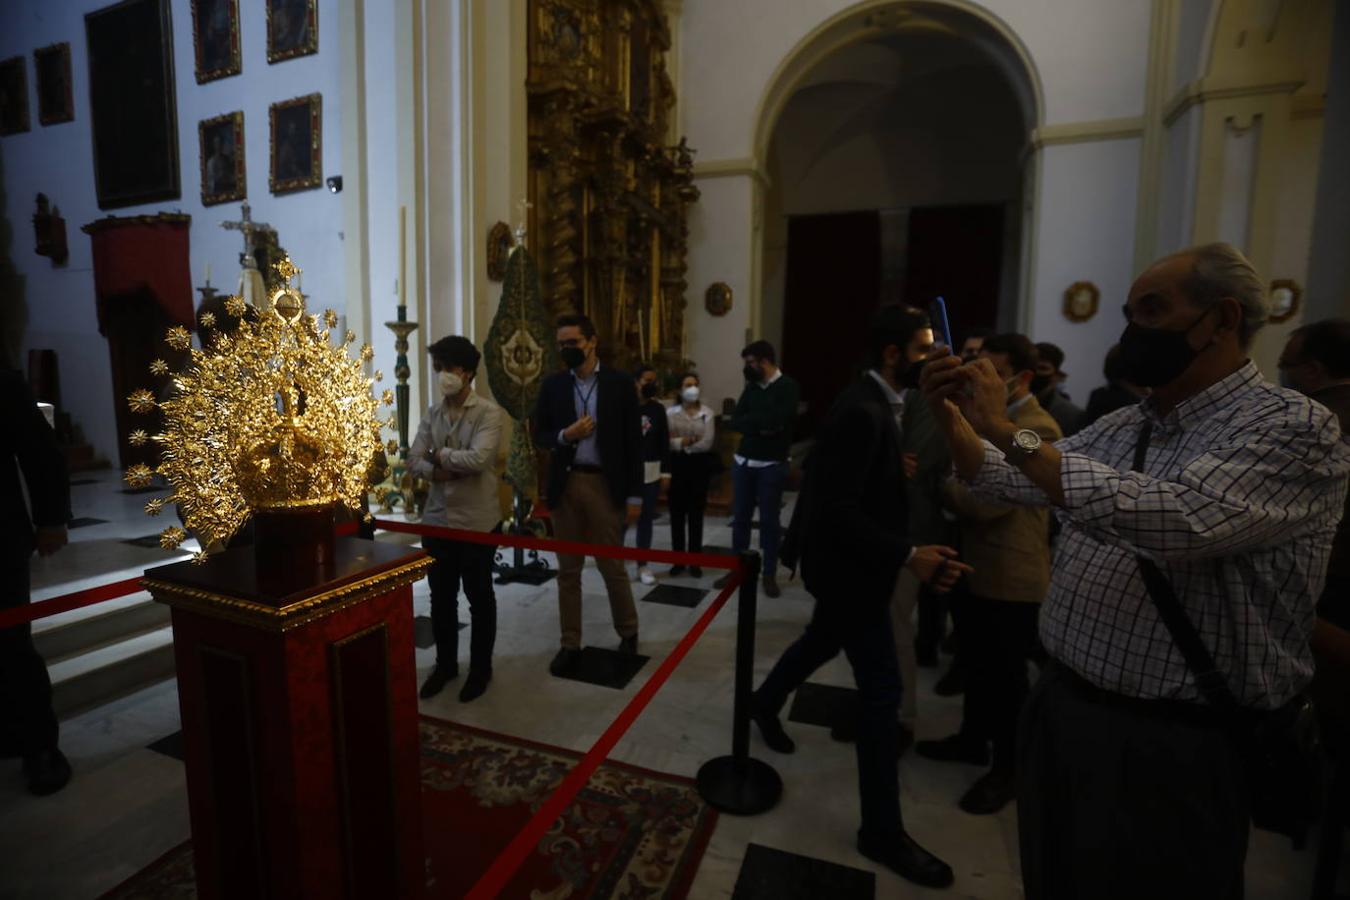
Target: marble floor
point(127, 804)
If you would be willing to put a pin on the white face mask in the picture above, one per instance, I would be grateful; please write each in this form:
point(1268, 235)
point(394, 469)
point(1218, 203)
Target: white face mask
point(451, 384)
point(690, 394)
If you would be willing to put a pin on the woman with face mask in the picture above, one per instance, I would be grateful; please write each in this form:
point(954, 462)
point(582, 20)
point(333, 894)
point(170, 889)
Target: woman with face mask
point(655, 456)
point(691, 463)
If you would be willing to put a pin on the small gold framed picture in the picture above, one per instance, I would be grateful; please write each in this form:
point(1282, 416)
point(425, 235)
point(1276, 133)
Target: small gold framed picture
point(292, 29)
point(1285, 296)
point(215, 38)
point(222, 158)
point(1081, 301)
point(297, 144)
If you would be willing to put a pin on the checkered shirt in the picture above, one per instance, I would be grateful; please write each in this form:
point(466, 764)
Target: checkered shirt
point(1241, 492)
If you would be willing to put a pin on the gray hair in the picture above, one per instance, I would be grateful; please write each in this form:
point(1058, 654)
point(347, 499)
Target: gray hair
point(1220, 270)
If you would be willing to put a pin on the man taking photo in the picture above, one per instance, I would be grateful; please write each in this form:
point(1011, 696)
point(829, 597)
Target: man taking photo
point(1228, 489)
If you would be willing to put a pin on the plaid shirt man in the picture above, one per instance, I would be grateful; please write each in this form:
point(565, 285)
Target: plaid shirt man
point(1242, 487)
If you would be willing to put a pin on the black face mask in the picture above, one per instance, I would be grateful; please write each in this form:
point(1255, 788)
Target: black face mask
point(572, 356)
point(909, 378)
point(649, 390)
point(1153, 357)
point(1039, 383)
point(752, 374)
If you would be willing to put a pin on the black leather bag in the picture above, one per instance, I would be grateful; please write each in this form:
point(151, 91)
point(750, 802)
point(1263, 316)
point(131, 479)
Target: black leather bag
point(1281, 748)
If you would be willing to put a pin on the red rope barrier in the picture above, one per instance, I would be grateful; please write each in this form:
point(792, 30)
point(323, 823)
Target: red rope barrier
point(705, 560)
point(20, 615)
point(491, 883)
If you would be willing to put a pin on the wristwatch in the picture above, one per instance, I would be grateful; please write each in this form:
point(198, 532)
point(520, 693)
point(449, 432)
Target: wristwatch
point(1025, 443)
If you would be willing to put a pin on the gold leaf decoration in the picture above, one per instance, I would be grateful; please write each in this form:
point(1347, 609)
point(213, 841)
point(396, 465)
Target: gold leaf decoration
point(138, 476)
point(387, 398)
point(392, 447)
point(159, 367)
point(138, 438)
point(208, 320)
point(349, 337)
point(367, 353)
point(271, 417)
point(235, 306)
point(171, 537)
point(141, 401)
point(178, 337)
point(155, 505)
point(379, 376)
point(330, 318)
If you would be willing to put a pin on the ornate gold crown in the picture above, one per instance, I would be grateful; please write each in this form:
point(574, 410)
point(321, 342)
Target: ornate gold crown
point(272, 416)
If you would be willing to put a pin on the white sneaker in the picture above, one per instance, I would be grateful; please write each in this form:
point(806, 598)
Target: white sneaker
point(645, 575)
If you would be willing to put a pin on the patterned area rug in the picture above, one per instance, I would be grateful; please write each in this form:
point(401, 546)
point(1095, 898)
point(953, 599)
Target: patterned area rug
point(630, 833)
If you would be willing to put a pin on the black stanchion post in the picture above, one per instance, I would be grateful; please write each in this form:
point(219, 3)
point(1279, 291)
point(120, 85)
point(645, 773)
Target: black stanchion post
point(739, 784)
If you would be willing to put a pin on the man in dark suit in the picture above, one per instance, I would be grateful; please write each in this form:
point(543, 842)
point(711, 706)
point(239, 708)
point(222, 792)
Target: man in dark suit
point(27, 722)
point(588, 417)
point(853, 546)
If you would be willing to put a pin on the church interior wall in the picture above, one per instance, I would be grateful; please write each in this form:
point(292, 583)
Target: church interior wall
point(58, 160)
point(1329, 252)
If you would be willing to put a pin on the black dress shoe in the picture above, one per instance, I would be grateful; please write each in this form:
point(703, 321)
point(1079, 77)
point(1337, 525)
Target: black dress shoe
point(628, 645)
point(47, 772)
point(474, 685)
point(903, 856)
point(437, 681)
point(771, 589)
point(696, 571)
point(952, 684)
point(771, 729)
point(676, 571)
point(955, 748)
point(565, 662)
point(990, 793)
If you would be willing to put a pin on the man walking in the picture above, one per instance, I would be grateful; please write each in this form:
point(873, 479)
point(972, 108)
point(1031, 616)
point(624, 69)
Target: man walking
point(853, 548)
point(588, 418)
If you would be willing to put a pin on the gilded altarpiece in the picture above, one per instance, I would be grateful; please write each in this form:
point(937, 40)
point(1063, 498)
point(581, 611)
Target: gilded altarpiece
point(609, 193)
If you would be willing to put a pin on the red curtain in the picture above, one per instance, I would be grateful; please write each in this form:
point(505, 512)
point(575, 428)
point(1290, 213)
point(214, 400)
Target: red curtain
point(143, 253)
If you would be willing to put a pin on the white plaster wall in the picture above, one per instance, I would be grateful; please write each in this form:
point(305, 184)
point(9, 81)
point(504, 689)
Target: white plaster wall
point(382, 179)
point(1176, 200)
point(1188, 60)
point(715, 343)
point(58, 160)
point(1086, 233)
point(1091, 56)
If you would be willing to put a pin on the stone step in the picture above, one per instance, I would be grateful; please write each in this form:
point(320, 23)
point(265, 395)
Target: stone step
point(94, 677)
point(80, 631)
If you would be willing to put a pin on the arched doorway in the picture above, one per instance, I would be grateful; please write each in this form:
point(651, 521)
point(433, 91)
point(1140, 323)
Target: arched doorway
point(893, 147)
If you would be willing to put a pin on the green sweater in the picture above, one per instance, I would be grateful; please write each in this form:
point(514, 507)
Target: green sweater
point(764, 416)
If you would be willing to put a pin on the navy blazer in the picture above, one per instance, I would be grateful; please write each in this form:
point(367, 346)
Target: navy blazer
point(856, 535)
point(618, 432)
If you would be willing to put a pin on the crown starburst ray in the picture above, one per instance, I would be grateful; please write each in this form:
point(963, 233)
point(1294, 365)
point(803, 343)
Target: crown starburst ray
point(271, 417)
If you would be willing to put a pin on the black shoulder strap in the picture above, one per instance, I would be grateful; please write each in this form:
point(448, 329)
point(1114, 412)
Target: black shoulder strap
point(1208, 679)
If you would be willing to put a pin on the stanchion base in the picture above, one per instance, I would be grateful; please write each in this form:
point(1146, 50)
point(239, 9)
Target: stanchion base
point(742, 789)
point(523, 575)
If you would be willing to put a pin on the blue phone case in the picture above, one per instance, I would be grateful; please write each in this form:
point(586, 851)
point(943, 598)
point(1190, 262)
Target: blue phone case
point(937, 312)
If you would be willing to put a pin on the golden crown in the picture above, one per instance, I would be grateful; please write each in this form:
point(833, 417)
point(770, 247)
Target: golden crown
point(271, 416)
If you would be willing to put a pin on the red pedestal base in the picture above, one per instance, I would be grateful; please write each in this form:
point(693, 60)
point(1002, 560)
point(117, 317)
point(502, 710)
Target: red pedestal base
point(299, 712)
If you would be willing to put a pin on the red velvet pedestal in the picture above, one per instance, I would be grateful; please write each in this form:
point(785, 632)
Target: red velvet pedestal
point(299, 702)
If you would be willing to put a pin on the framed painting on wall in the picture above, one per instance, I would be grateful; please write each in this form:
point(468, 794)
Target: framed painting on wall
point(55, 103)
point(215, 39)
point(292, 29)
point(222, 158)
point(297, 144)
point(13, 96)
point(132, 99)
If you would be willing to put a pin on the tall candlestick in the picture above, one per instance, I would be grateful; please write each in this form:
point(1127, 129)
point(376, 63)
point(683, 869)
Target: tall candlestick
point(208, 274)
point(403, 256)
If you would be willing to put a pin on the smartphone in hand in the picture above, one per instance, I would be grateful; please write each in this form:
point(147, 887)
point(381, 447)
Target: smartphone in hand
point(942, 329)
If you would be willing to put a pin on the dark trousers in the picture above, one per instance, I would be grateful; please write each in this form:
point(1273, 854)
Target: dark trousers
point(459, 563)
point(932, 623)
point(863, 631)
point(27, 721)
point(760, 488)
point(651, 495)
point(1119, 799)
point(998, 638)
point(688, 498)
